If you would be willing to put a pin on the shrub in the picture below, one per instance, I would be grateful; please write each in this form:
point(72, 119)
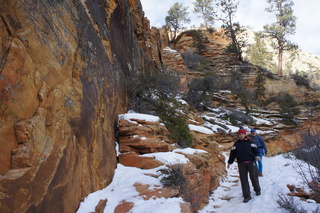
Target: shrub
point(196, 62)
point(145, 92)
point(198, 95)
point(289, 204)
point(289, 108)
point(177, 125)
point(313, 103)
point(301, 80)
point(309, 152)
point(238, 118)
point(211, 30)
point(179, 130)
point(259, 84)
point(192, 60)
point(237, 87)
point(154, 93)
point(174, 176)
point(200, 89)
point(269, 74)
point(205, 65)
point(312, 106)
point(198, 40)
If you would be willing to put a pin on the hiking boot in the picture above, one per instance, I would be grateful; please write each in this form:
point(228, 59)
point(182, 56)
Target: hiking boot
point(258, 193)
point(245, 200)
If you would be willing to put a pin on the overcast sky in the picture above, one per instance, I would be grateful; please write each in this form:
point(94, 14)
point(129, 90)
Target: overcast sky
point(252, 13)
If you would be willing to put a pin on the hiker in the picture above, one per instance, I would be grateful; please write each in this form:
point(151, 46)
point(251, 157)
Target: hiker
point(246, 153)
point(258, 140)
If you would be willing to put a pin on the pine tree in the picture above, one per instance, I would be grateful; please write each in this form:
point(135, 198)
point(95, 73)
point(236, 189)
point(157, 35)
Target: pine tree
point(198, 40)
point(206, 9)
point(259, 84)
point(233, 29)
point(258, 53)
point(177, 15)
point(282, 28)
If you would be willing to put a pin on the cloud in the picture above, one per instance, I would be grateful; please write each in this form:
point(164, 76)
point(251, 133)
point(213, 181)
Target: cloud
point(252, 13)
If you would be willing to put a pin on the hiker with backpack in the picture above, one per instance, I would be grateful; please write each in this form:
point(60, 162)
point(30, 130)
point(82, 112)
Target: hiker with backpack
point(258, 140)
point(246, 153)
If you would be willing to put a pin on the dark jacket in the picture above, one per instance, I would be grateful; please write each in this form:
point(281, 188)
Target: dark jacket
point(243, 150)
point(258, 140)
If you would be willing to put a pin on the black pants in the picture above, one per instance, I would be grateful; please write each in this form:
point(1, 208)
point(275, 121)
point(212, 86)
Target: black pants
point(244, 169)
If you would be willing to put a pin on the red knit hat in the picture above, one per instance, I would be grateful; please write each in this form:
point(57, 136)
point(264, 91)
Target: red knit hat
point(242, 131)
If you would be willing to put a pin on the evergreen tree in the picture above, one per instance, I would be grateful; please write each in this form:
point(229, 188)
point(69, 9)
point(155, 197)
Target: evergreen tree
point(177, 15)
point(258, 53)
point(233, 29)
point(289, 108)
point(198, 40)
point(259, 84)
point(237, 87)
point(206, 9)
point(282, 28)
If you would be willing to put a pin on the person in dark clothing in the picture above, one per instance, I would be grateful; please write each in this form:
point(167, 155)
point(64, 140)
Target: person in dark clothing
point(246, 153)
point(258, 140)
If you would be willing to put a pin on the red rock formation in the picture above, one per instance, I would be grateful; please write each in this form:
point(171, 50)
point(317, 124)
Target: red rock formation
point(300, 192)
point(64, 68)
point(203, 172)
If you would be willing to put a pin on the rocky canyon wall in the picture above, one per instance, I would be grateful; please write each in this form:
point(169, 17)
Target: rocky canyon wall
point(64, 70)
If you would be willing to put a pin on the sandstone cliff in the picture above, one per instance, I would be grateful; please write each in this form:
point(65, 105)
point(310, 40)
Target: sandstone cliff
point(63, 74)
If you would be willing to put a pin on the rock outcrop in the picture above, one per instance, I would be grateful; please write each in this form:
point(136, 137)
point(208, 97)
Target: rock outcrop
point(64, 70)
point(203, 171)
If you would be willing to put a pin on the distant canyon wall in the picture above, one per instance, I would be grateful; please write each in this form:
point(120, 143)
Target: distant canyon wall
point(65, 66)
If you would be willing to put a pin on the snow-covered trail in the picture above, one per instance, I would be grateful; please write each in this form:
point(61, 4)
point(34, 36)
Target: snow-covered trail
point(278, 171)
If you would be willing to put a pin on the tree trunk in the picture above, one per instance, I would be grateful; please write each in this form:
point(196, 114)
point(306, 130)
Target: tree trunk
point(280, 61)
point(205, 22)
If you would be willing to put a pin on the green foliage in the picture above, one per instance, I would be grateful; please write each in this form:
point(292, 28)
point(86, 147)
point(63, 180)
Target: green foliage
point(258, 53)
point(259, 84)
point(233, 29)
point(236, 86)
point(269, 74)
point(174, 176)
point(211, 30)
point(179, 130)
point(196, 62)
point(313, 103)
point(238, 41)
point(177, 15)
point(198, 40)
point(154, 93)
point(200, 89)
point(301, 80)
point(146, 92)
point(192, 60)
point(206, 9)
point(289, 108)
point(284, 26)
point(205, 65)
point(177, 125)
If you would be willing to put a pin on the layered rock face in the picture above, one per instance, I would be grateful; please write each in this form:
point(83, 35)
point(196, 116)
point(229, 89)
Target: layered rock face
point(63, 75)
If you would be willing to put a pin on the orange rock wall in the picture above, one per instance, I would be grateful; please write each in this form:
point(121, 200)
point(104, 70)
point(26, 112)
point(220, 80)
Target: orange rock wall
point(64, 70)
